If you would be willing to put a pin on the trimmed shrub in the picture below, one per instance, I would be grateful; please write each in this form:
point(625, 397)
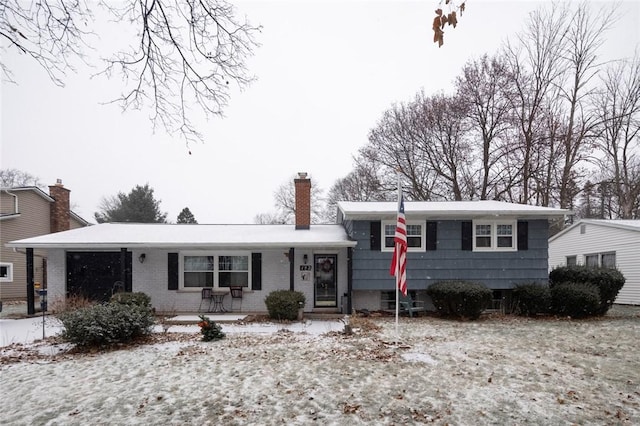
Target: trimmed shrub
point(104, 325)
point(532, 299)
point(284, 304)
point(132, 299)
point(460, 298)
point(608, 281)
point(576, 300)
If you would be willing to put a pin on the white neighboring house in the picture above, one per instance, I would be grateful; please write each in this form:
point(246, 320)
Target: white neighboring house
point(608, 243)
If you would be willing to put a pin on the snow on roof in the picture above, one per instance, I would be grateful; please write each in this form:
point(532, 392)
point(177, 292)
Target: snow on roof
point(131, 235)
point(444, 209)
point(628, 224)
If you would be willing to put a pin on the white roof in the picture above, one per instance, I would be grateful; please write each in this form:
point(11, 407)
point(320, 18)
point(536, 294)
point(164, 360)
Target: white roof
point(628, 224)
point(445, 209)
point(131, 235)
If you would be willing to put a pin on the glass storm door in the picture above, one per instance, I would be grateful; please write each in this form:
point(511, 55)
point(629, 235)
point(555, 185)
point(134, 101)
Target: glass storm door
point(326, 280)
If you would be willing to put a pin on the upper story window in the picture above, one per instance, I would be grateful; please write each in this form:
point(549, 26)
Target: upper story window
point(6, 272)
point(494, 235)
point(215, 270)
point(415, 235)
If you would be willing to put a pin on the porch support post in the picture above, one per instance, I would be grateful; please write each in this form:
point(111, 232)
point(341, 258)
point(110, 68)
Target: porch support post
point(292, 258)
point(123, 268)
point(31, 308)
point(349, 279)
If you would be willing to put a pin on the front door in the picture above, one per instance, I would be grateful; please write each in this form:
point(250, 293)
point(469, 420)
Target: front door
point(326, 280)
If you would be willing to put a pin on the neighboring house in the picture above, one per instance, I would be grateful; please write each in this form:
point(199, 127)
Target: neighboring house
point(28, 212)
point(495, 243)
point(337, 266)
point(602, 243)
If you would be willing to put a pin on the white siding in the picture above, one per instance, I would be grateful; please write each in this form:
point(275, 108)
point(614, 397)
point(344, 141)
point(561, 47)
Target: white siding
point(599, 238)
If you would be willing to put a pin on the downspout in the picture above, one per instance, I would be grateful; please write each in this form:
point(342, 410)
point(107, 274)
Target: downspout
point(349, 279)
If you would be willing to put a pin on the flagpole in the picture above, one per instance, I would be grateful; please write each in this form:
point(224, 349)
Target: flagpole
point(398, 263)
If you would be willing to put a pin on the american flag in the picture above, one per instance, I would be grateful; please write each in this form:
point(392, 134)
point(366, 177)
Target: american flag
point(399, 260)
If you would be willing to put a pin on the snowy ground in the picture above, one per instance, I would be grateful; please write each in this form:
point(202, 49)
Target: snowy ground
point(499, 370)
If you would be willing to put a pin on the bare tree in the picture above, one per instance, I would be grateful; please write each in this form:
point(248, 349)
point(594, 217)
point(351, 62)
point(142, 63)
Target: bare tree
point(480, 87)
point(619, 136)
point(187, 51)
point(285, 203)
point(14, 178)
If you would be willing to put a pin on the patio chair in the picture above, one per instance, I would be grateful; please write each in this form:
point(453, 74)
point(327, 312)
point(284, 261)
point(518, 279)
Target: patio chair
point(206, 294)
point(236, 293)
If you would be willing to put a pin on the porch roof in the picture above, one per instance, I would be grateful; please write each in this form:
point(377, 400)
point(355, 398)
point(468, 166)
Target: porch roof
point(189, 236)
point(355, 210)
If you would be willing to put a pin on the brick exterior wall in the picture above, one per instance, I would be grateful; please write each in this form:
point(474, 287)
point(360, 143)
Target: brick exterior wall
point(60, 215)
point(303, 201)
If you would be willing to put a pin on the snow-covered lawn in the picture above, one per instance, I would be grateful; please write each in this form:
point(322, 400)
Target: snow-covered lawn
point(499, 370)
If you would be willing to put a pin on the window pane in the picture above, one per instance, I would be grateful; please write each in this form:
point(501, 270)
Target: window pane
point(198, 279)
point(505, 230)
point(228, 279)
point(571, 261)
point(389, 233)
point(233, 263)
point(198, 263)
point(482, 230)
point(505, 242)
point(414, 230)
point(4, 271)
point(388, 242)
point(483, 241)
point(414, 242)
point(591, 260)
point(609, 260)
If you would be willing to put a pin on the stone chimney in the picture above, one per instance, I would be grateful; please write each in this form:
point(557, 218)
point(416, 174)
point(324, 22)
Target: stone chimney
point(60, 210)
point(303, 201)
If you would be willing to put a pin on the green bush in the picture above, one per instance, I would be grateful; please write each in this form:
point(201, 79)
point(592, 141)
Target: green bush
point(210, 330)
point(532, 299)
point(460, 298)
point(576, 300)
point(284, 304)
point(132, 299)
point(608, 281)
point(104, 325)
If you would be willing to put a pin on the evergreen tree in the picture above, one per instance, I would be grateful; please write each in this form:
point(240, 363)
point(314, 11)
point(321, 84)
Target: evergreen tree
point(138, 206)
point(186, 216)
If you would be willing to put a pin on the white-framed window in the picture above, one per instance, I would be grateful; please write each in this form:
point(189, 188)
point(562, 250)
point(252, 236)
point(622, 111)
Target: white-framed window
point(494, 235)
point(6, 272)
point(415, 235)
point(215, 270)
point(592, 260)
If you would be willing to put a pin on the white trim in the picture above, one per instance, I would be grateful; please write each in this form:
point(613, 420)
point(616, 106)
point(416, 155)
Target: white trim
point(494, 235)
point(9, 277)
point(423, 234)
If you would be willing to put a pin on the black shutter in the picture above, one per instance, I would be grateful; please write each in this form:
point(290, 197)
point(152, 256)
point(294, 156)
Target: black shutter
point(467, 235)
point(174, 270)
point(523, 235)
point(432, 235)
point(375, 235)
point(256, 271)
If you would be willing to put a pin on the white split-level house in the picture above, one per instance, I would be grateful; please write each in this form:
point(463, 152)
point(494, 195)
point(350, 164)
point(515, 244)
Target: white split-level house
point(338, 267)
point(602, 243)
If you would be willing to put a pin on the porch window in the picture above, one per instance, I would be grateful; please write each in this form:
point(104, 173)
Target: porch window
point(494, 235)
point(415, 236)
point(215, 270)
point(6, 272)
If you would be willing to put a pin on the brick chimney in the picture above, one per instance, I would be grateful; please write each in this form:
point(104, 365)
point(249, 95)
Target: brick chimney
point(60, 210)
point(303, 201)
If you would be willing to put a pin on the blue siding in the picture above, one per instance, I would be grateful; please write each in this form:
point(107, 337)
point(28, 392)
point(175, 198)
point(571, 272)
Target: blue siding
point(500, 270)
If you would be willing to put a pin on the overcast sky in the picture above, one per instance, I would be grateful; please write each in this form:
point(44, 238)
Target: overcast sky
point(326, 71)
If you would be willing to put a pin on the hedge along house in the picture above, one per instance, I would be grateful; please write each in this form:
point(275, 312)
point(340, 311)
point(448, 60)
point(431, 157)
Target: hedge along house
point(173, 263)
point(495, 243)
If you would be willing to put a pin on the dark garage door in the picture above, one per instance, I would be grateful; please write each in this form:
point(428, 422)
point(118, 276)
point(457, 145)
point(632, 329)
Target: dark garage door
point(93, 274)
